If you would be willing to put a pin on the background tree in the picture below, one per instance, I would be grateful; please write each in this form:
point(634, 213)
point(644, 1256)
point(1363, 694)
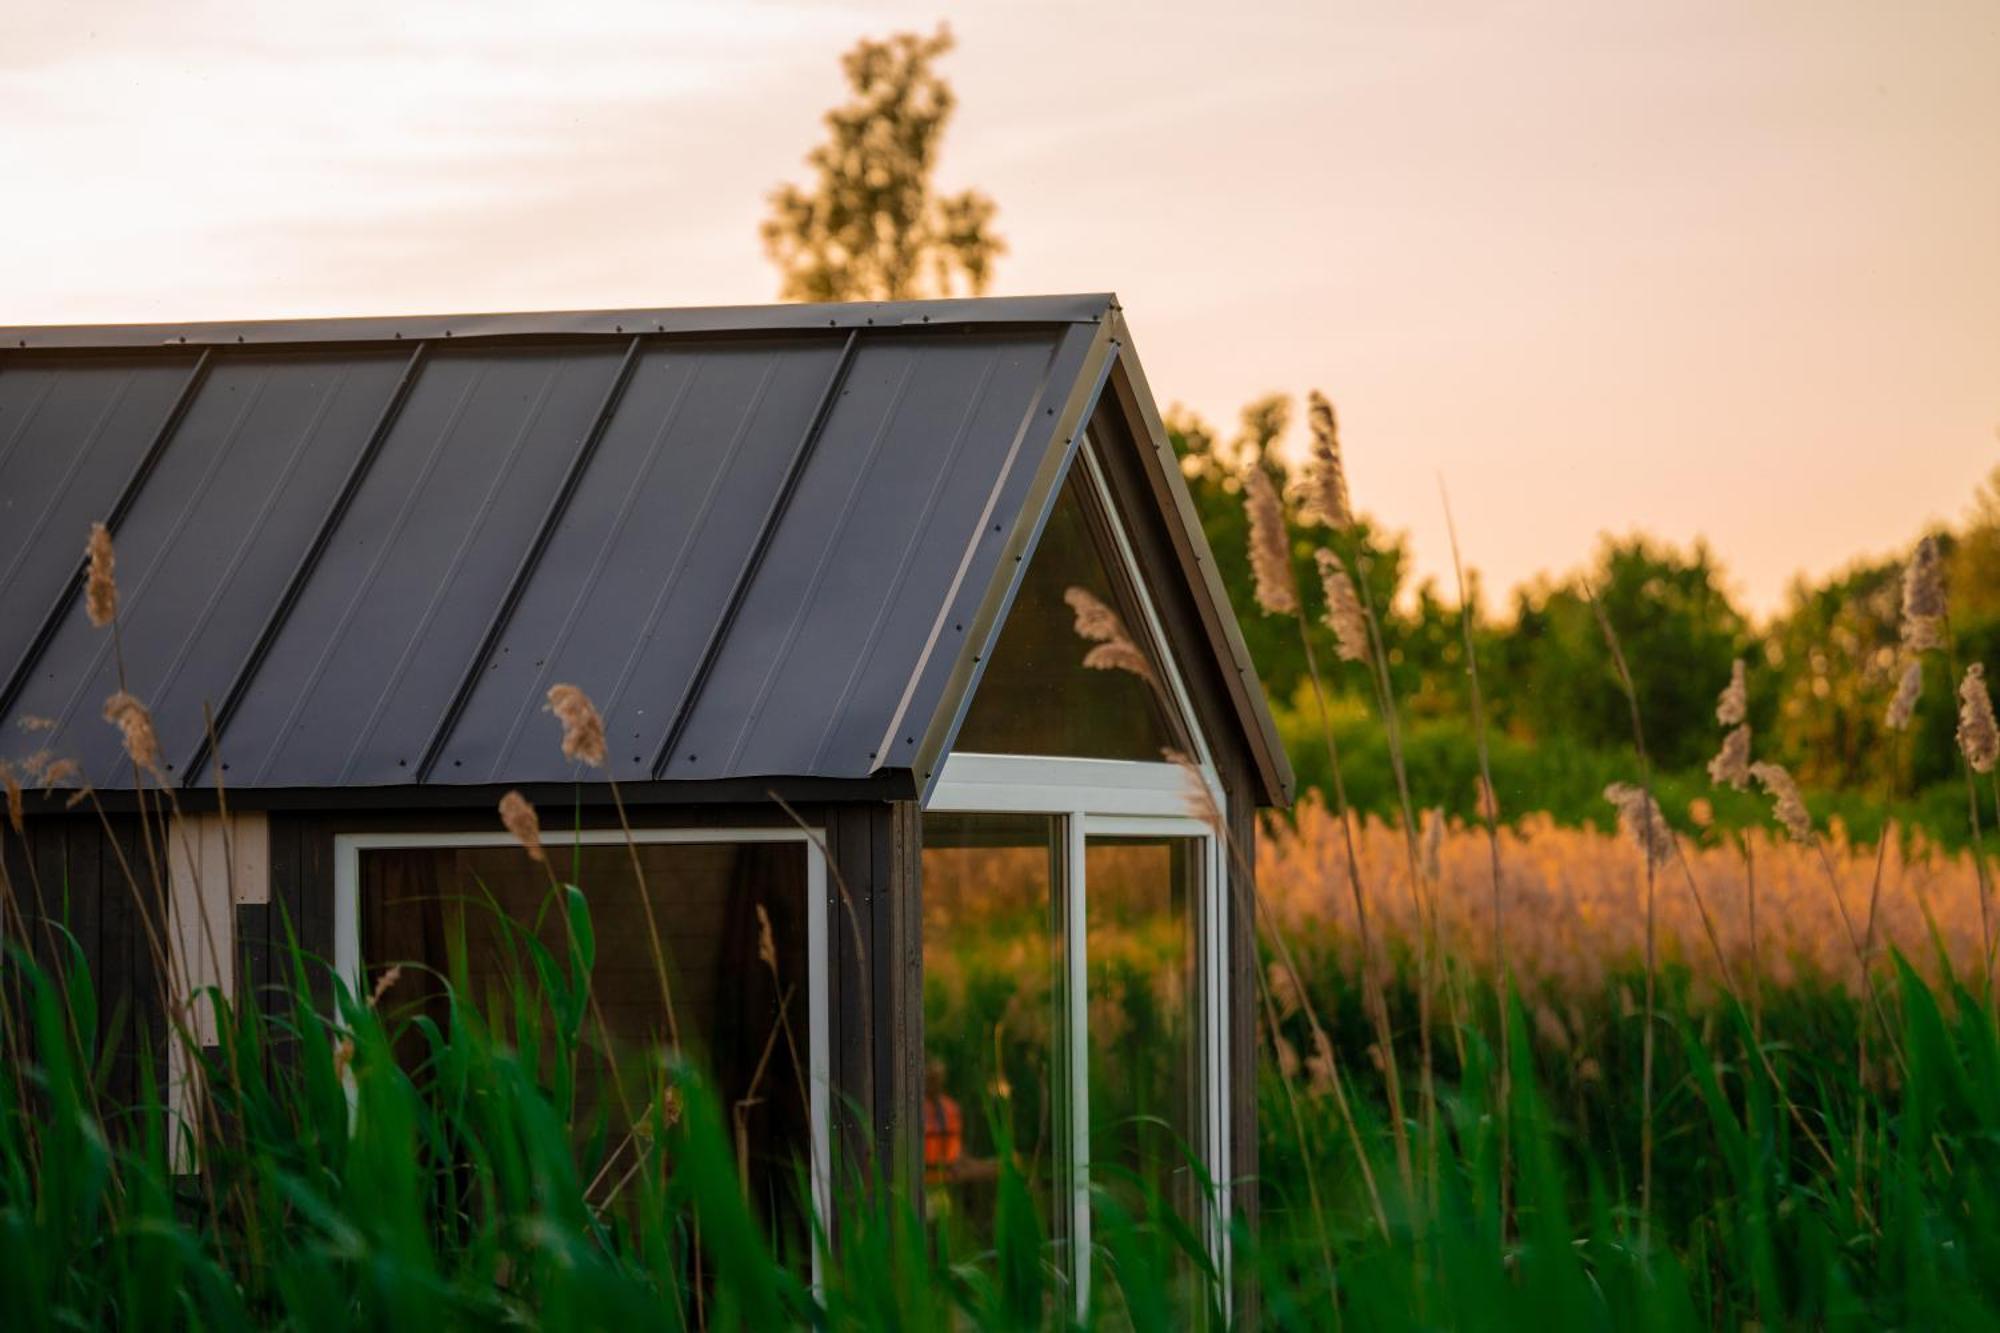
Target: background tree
point(870, 227)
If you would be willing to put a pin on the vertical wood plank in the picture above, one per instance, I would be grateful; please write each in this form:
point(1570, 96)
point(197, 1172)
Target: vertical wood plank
point(315, 908)
point(900, 1133)
point(118, 909)
point(850, 927)
point(281, 928)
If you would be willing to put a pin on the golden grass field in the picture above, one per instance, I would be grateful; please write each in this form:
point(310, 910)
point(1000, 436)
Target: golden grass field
point(1573, 901)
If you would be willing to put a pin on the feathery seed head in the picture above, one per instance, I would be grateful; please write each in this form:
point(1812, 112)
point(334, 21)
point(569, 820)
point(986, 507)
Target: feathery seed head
point(1978, 737)
point(1326, 475)
point(1787, 805)
point(1284, 984)
point(142, 745)
point(1731, 765)
point(522, 821)
point(1270, 545)
point(1733, 705)
point(1640, 817)
point(1489, 805)
point(1198, 799)
point(100, 589)
point(1114, 648)
point(1343, 607)
point(1701, 812)
point(1904, 705)
point(1288, 1058)
point(1923, 598)
point(767, 946)
point(583, 729)
point(383, 985)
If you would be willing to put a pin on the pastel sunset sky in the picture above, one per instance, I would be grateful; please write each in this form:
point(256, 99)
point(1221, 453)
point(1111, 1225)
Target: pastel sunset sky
point(1714, 270)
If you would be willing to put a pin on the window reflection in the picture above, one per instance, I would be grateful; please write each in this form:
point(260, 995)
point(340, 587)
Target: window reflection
point(992, 968)
point(475, 916)
point(1055, 686)
point(1143, 1013)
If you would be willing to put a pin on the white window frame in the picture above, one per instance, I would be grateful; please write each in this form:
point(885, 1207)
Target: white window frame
point(1123, 798)
point(348, 847)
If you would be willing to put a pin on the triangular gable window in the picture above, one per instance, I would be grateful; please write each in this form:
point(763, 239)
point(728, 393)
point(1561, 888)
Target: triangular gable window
point(1075, 671)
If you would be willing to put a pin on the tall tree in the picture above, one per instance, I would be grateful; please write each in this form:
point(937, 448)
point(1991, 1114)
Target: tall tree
point(870, 226)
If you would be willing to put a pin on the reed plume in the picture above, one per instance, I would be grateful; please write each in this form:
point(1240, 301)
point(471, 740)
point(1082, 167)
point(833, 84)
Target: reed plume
point(1731, 765)
point(1978, 737)
point(1343, 608)
point(1270, 549)
point(1640, 817)
point(135, 725)
point(1904, 705)
point(1923, 598)
point(100, 588)
point(1113, 648)
point(583, 729)
point(1326, 475)
point(526, 826)
point(1733, 705)
point(1786, 804)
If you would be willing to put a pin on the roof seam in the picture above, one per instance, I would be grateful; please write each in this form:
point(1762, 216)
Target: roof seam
point(239, 684)
point(719, 632)
point(530, 559)
point(59, 610)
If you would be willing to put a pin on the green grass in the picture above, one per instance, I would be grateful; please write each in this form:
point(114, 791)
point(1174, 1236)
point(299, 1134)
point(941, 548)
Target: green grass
point(456, 1190)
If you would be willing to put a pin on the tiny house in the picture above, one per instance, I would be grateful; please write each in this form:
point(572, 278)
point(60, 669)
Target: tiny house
point(933, 729)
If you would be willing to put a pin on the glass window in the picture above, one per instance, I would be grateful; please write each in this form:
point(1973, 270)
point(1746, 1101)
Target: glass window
point(470, 914)
point(1141, 945)
point(992, 1021)
point(1074, 672)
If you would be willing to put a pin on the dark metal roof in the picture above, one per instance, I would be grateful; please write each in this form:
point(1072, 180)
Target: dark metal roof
point(767, 541)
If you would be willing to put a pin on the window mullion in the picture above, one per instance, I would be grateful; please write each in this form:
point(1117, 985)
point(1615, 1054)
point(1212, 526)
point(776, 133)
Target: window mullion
point(1076, 1021)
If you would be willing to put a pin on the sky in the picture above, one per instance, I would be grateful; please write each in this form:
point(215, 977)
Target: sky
point(1709, 270)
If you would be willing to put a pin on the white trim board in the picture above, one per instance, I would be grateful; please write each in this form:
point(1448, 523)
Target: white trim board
point(1027, 784)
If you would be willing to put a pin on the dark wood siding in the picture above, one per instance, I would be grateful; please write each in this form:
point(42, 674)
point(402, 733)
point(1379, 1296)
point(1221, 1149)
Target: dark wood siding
point(70, 870)
point(92, 878)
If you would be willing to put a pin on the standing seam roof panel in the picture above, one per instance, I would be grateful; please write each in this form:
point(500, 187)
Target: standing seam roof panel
point(766, 541)
point(72, 432)
point(203, 551)
point(385, 625)
point(638, 569)
point(836, 561)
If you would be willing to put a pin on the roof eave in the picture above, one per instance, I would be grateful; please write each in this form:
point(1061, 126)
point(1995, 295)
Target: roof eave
point(1246, 691)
